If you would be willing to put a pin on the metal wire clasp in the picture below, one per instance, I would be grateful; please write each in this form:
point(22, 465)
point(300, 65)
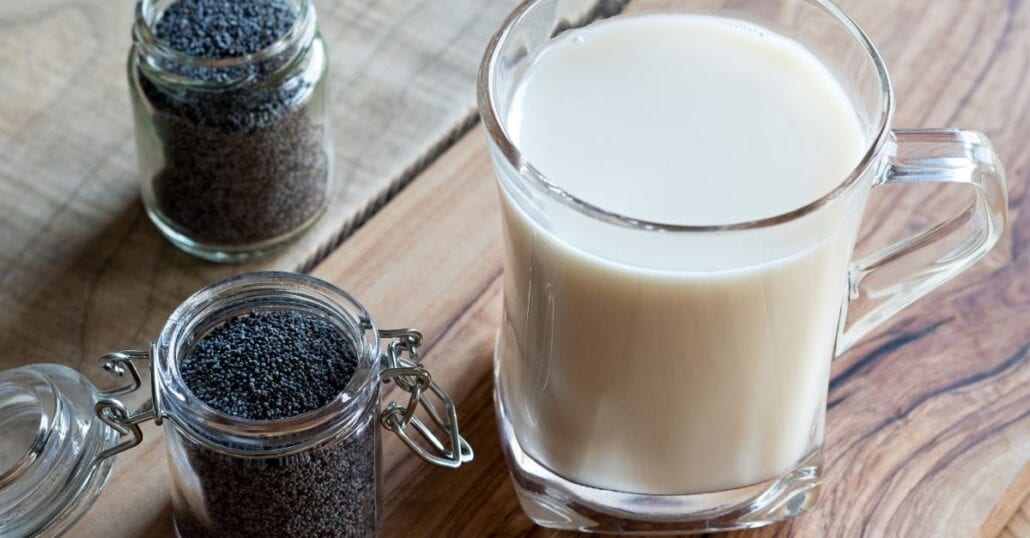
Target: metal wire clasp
point(113, 412)
point(412, 378)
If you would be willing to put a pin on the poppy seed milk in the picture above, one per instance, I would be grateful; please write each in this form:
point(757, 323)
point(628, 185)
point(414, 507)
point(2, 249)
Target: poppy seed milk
point(632, 362)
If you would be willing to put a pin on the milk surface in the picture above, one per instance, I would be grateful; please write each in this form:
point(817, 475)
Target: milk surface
point(657, 369)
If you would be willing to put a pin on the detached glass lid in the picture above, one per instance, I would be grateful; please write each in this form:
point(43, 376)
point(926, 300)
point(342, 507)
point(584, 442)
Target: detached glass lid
point(52, 443)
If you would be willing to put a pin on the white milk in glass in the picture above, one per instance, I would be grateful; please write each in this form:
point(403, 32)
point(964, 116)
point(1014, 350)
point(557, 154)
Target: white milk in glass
point(656, 370)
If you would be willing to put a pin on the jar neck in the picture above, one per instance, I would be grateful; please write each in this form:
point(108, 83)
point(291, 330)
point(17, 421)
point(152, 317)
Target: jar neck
point(213, 306)
point(161, 63)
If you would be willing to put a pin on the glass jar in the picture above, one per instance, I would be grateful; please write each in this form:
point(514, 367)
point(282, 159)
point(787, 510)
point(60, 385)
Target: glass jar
point(316, 473)
point(235, 154)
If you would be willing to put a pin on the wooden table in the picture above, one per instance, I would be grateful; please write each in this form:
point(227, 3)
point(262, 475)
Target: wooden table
point(929, 428)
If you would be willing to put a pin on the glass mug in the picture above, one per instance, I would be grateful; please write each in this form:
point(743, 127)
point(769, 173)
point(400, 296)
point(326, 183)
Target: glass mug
point(609, 420)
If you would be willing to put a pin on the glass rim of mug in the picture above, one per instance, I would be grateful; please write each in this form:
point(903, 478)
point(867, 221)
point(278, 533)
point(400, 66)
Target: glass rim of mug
point(499, 136)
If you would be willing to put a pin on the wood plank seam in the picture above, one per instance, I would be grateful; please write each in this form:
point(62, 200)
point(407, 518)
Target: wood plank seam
point(395, 187)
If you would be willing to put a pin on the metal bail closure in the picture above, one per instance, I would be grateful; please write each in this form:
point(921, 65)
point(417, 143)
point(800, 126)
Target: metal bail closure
point(412, 378)
point(113, 411)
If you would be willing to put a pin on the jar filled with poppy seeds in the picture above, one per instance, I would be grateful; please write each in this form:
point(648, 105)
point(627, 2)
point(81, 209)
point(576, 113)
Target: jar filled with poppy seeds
point(232, 122)
point(268, 387)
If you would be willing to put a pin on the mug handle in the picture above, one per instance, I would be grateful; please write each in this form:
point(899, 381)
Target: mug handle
point(888, 280)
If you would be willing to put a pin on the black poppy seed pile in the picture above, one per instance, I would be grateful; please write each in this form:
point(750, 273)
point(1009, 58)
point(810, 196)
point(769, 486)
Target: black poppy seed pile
point(270, 365)
point(243, 163)
point(222, 28)
point(327, 491)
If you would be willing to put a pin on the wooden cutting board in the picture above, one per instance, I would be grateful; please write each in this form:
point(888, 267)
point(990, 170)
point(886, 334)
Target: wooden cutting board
point(928, 433)
point(929, 422)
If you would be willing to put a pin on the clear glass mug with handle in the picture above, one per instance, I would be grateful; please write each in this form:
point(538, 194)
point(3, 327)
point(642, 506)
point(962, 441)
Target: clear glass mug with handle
point(680, 441)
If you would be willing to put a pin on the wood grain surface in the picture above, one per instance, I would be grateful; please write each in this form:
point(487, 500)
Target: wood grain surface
point(1011, 516)
point(1019, 526)
point(928, 426)
point(929, 419)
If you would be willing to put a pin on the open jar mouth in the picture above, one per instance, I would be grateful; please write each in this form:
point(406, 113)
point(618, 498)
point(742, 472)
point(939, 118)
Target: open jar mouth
point(500, 139)
point(157, 53)
point(267, 291)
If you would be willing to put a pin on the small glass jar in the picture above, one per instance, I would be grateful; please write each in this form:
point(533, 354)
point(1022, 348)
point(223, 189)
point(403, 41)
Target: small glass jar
point(314, 474)
point(235, 154)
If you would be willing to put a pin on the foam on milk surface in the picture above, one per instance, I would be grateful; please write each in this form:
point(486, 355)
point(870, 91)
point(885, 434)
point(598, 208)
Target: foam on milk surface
point(619, 376)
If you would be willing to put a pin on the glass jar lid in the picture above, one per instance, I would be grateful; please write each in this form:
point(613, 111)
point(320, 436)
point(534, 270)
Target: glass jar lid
point(51, 449)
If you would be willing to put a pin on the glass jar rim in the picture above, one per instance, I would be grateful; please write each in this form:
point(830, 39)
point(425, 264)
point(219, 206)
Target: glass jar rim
point(499, 137)
point(303, 30)
point(261, 438)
